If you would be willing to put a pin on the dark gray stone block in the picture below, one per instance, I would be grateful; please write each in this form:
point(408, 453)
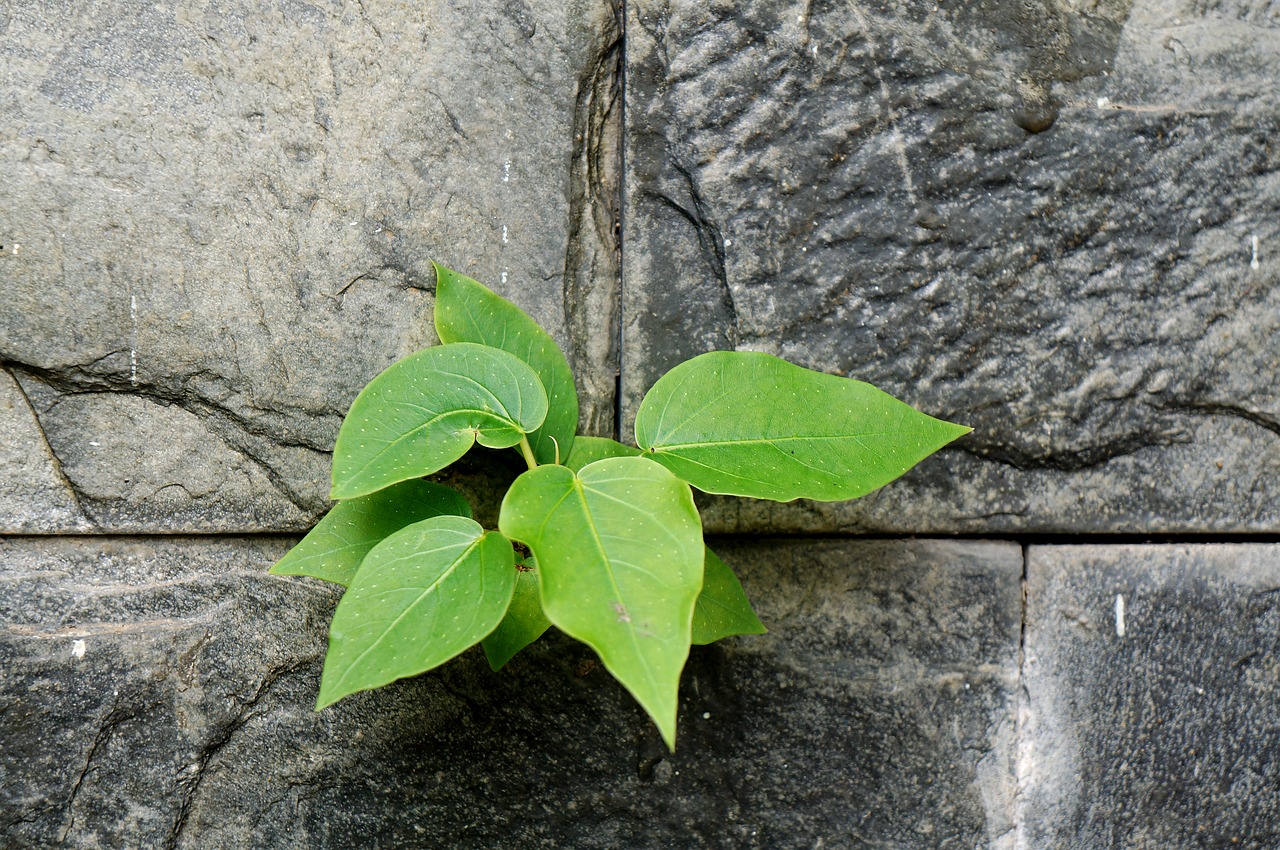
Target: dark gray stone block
point(1153, 703)
point(158, 692)
point(218, 223)
point(1054, 222)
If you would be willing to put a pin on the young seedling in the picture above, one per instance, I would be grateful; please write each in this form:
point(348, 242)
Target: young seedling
point(598, 538)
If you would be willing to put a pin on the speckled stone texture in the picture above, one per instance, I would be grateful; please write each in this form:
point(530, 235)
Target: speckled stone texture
point(1054, 222)
point(1057, 222)
point(217, 226)
point(157, 693)
point(1151, 723)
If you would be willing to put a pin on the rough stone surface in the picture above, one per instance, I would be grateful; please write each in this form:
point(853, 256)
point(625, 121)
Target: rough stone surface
point(1163, 736)
point(1054, 222)
point(34, 493)
point(218, 223)
point(157, 693)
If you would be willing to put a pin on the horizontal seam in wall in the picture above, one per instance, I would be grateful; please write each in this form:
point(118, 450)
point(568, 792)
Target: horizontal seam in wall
point(1027, 539)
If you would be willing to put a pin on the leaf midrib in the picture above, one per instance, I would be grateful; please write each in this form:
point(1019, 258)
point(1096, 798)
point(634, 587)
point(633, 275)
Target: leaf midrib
point(771, 440)
point(428, 589)
point(425, 425)
point(581, 490)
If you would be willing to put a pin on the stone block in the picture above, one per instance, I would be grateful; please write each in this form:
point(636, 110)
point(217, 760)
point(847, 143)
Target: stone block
point(218, 223)
point(158, 692)
point(1153, 707)
point(1053, 222)
point(34, 492)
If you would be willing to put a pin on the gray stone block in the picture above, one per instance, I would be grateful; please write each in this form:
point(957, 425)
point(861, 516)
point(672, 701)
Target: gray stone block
point(157, 692)
point(218, 223)
point(1053, 222)
point(1153, 708)
point(34, 492)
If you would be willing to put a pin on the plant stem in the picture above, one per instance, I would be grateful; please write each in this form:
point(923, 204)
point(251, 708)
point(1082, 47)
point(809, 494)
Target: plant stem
point(527, 451)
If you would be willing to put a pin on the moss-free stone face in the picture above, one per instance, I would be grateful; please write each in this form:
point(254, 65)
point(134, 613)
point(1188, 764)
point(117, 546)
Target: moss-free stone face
point(159, 691)
point(218, 223)
point(1152, 699)
point(1053, 224)
point(35, 494)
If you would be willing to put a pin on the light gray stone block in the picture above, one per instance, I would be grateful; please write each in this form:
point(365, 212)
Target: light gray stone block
point(34, 492)
point(218, 223)
point(1054, 222)
point(157, 693)
point(1153, 708)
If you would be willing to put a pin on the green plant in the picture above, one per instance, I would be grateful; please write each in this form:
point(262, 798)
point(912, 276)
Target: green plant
point(598, 538)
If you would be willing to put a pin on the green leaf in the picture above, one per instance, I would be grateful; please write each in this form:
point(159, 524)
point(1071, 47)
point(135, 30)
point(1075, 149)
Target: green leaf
point(421, 596)
point(424, 412)
point(591, 449)
point(722, 609)
point(334, 549)
point(751, 424)
point(467, 311)
point(524, 622)
point(620, 554)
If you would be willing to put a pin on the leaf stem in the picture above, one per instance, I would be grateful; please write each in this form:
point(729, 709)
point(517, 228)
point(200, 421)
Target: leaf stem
point(527, 451)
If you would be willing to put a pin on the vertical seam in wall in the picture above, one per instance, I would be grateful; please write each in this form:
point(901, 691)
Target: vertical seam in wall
point(1022, 717)
point(622, 219)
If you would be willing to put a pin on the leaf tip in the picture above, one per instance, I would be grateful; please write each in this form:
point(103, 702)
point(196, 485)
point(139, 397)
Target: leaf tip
point(440, 271)
point(668, 735)
point(949, 431)
point(495, 659)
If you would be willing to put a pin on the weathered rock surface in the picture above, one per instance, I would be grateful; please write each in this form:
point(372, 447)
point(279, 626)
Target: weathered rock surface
point(34, 493)
point(218, 223)
point(157, 693)
point(1153, 682)
point(1054, 222)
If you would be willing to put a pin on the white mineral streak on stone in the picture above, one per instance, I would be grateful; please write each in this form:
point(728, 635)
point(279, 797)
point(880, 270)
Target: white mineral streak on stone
point(77, 649)
point(506, 171)
point(1119, 615)
point(133, 339)
point(504, 234)
point(899, 145)
point(996, 780)
point(1253, 263)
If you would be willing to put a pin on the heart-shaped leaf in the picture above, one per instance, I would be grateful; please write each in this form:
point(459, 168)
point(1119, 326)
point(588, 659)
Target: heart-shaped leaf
point(591, 449)
point(620, 554)
point(422, 596)
point(722, 609)
point(424, 412)
point(524, 623)
point(467, 311)
point(751, 424)
point(334, 549)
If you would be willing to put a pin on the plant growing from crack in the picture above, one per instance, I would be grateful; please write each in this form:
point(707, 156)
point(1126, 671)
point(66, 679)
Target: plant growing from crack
point(598, 538)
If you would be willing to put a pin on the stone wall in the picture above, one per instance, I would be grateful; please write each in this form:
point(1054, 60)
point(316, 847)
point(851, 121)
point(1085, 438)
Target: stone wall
point(1055, 221)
